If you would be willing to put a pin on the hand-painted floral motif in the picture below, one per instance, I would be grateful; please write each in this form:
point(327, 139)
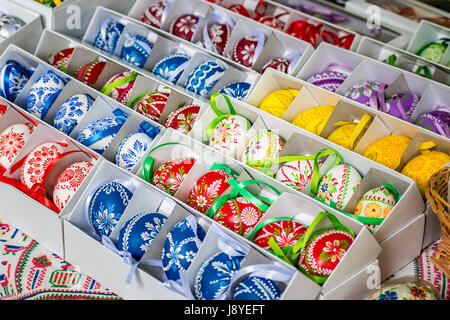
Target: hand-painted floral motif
point(297, 174)
point(405, 288)
point(71, 112)
point(183, 118)
point(286, 233)
point(264, 146)
point(152, 104)
point(13, 78)
point(204, 77)
point(169, 176)
point(108, 35)
point(244, 51)
point(12, 141)
point(237, 90)
point(136, 50)
point(257, 288)
point(171, 67)
point(229, 136)
point(185, 26)
point(132, 149)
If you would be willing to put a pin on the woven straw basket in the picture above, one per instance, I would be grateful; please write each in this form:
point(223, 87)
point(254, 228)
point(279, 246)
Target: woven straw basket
point(436, 192)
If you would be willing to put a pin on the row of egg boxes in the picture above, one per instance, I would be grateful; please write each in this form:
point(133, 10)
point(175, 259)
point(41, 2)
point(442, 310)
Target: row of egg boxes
point(293, 22)
point(176, 63)
point(175, 156)
point(82, 113)
point(403, 59)
point(430, 41)
point(224, 34)
point(381, 87)
point(18, 25)
point(376, 135)
point(256, 139)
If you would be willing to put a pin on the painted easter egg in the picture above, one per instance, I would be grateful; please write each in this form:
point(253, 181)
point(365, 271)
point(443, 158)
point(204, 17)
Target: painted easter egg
point(138, 233)
point(230, 135)
point(153, 15)
point(237, 90)
point(108, 35)
point(313, 119)
point(152, 104)
point(338, 186)
point(207, 189)
point(3, 108)
point(349, 134)
point(285, 231)
point(203, 78)
point(433, 51)
point(402, 105)
point(69, 181)
point(239, 215)
point(272, 22)
point(106, 206)
point(214, 276)
point(61, 59)
point(365, 92)
point(99, 134)
point(169, 176)
point(172, 66)
point(9, 25)
point(13, 77)
point(120, 86)
point(180, 248)
point(388, 150)
point(437, 121)
point(324, 251)
point(376, 203)
point(264, 146)
point(38, 161)
point(244, 51)
point(405, 288)
point(219, 34)
point(257, 288)
point(277, 63)
point(89, 73)
point(297, 174)
point(72, 111)
point(132, 148)
point(43, 93)
point(12, 140)
point(136, 50)
point(183, 118)
point(278, 101)
point(185, 26)
point(328, 80)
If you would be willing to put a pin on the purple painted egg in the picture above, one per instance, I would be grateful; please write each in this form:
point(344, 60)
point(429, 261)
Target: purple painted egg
point(437, 121)
point(365, 92)
point(402, 105)
point(328, 80)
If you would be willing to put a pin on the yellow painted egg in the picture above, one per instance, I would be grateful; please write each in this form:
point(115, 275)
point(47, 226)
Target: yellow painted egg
point(313, 119)
point(278, 101)
point(349, 134)
point(375, 203)
point(388, 150)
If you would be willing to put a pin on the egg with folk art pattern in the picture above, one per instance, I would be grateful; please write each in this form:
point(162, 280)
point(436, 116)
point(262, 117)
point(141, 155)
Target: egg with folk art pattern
point(106, 206)
point(13, 77)
point(108, 35)
point(152, 104)
point(245, 50)
point(214, 277)
point(136, 50)
point(329, 80)
point(185, 26)
point(203, 78)
point(132, 149)
point(437, 121)
point(90, 72)
point(171, 67)
point(365, 92)
point(120, 86)
point(264, 146)
point(277, 63)
point(138, 233)
point(61, 59)
point(257, 288)
point(12, 140)
point(183, 118)
point(72, 111)
point(237, 90)
point(154, 14)
point(402, 105)
point(219, 34)
point(180, 248)
point(170, 175)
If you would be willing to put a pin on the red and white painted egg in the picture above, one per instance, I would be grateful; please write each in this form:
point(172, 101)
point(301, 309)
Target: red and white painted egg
point(219, 33)
point(38, 161)
point(207, 189)
point(154, 14)
point(185, 26)
point(239, 215)
point(182, 119)
point(152, 104)
point(69, 181)
point(12, 140)
point(230, 135)
point(170, 175)
point(61, 59)
point(120, 92)
point(297, 174)
point(286, 232)
point(324, 251)
point(244, 51)
point(90, 72)
point(272, 22)
point(277, 63)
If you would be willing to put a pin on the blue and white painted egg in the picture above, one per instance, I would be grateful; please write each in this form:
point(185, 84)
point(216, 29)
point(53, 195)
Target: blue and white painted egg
point(180, 248)
point(214, 277)
point(238, 90)
point(72, 111)
point(135, 146)
point(106, 207)
point(138, 233)
point(136, 50)
point(13, 77)
point(204, 77)
point(108, 35)
point(171, 67)
point(99, 134)
point(43, 93)
point(257, 288)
